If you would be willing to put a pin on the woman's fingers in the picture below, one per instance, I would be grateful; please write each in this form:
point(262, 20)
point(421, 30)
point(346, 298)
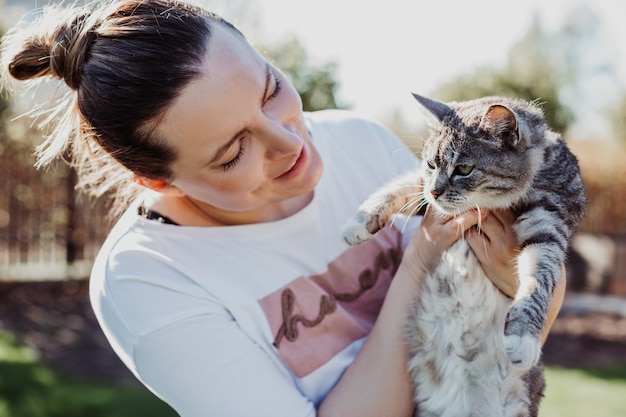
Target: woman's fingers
point(494, 236)
point(495, 246)
point(436, 234)
point(444, 231)
point(489, 233)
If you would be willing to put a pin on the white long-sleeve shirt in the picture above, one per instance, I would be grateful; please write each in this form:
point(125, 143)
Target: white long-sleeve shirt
point(262, 319)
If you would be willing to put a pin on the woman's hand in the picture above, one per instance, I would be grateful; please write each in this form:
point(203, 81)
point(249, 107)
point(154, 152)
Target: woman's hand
point(495, 246)
point(435, 235)
point(378, 382)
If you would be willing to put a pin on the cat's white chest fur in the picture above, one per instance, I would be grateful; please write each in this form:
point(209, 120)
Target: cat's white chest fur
point(456, 336)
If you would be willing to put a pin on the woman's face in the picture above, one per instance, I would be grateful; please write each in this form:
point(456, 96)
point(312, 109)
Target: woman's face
point(239, 133)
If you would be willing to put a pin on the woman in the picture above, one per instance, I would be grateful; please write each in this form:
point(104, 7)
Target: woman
point(225, 286)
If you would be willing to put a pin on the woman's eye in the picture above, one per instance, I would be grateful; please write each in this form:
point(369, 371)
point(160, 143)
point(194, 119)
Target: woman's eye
point(277, 87)
point(230, 164)
point(463, 170)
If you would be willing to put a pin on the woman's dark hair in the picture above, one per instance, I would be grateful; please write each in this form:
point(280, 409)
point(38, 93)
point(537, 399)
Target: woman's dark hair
point(125, 62)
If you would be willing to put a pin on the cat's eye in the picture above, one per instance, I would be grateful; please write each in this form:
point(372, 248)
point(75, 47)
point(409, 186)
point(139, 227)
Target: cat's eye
point(430, 165)
point(463, 170)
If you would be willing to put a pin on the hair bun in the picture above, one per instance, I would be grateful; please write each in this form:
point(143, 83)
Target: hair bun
point(58, 45)
point(70, 49)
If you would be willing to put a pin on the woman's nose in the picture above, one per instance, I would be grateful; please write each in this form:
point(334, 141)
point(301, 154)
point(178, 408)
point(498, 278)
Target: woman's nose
point(282, 140)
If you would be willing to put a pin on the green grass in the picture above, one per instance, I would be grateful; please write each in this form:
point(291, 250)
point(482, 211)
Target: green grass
point(584, 392)
point(30, 389)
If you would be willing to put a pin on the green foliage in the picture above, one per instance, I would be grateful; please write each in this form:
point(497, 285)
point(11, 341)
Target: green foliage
point(316, 85)
point(4, 101)
point(30, 389)
point(597, 392)
point(542, 67)
point(618, 117)
point(489, 82)
point(4, 105)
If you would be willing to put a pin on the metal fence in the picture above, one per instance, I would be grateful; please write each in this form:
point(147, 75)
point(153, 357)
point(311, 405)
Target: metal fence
point(49, 232)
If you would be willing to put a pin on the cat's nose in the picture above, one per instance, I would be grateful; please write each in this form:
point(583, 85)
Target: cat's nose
point(435, 193)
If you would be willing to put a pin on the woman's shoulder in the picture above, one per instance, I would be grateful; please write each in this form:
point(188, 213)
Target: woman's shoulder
point(338, 118)
point(348, 129)
point(359, 139)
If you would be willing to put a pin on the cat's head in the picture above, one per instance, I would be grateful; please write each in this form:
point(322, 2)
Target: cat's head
point(480, 153)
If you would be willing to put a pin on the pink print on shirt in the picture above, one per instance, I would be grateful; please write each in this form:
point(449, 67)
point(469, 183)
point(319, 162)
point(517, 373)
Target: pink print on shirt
point(313, 318)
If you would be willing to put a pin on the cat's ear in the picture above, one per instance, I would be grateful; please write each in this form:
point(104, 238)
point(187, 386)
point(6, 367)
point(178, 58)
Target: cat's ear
point(501, 122)
point(436, 108)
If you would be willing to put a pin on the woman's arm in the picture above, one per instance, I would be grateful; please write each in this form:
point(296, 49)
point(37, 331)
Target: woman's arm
point(377, 383)
point(555, 306)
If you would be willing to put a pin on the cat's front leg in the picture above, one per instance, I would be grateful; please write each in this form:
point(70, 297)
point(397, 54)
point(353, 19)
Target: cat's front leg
point(523, 348)
point(539, 270)
point(401, 194)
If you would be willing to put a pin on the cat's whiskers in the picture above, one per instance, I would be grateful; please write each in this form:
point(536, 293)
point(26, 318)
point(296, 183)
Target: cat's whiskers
point(414, 205)
point(480, 217)
point(479, 226)
point(414, 142)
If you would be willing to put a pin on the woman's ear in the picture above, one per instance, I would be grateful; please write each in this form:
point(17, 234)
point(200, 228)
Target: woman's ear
point(160, 186)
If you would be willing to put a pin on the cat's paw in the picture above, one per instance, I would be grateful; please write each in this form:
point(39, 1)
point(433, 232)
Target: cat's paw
point(523, 351)
point(355, 231)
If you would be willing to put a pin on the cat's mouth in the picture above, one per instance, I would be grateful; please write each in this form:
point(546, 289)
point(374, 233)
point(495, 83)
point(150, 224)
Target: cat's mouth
point(442, 207)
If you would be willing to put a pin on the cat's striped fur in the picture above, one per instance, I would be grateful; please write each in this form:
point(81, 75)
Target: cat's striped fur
point(475, 352)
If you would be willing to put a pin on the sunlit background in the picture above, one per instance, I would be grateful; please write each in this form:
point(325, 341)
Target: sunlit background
point(367, 56)
point(385, 49)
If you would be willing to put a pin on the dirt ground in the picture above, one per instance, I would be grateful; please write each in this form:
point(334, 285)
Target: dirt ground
point(56, 319)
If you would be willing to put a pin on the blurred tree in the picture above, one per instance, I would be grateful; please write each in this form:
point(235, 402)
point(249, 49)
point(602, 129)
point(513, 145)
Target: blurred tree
point(4, 106)
point(543, 67)
point(4, 101)
point(618, 118)
point(29, 205)
point(316, 85)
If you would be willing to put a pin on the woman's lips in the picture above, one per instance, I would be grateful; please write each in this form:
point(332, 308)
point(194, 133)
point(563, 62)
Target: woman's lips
point(297, 166)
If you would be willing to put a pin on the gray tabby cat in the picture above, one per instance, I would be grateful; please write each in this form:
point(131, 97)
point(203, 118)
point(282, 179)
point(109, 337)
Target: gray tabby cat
point(473, 351)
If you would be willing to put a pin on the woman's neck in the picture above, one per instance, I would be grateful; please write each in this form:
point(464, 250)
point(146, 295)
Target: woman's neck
point(187, 211)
